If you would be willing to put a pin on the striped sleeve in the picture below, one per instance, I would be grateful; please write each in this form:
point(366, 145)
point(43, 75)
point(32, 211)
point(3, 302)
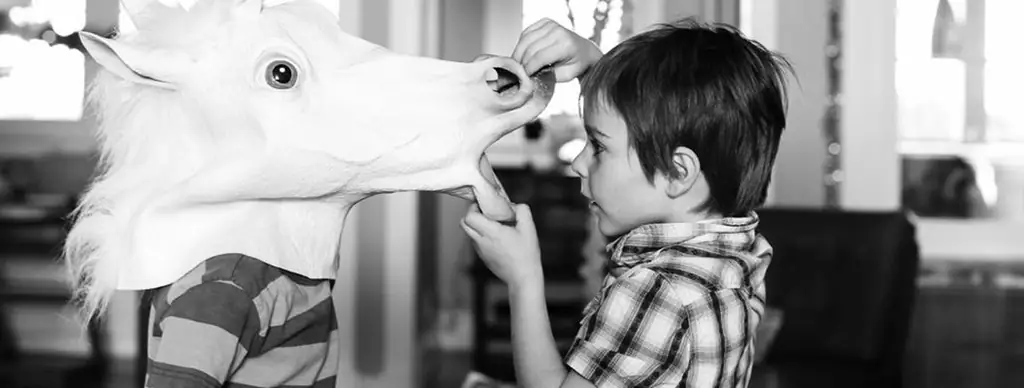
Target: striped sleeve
point(203, 336)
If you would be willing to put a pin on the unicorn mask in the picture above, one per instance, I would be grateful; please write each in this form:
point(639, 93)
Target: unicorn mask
point(242, 127)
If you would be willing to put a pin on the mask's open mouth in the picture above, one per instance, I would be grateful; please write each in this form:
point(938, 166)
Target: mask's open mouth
point(486, 190)
point(488, 193)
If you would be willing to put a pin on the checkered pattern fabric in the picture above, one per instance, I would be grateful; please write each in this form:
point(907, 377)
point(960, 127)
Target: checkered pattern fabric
point(680, 308)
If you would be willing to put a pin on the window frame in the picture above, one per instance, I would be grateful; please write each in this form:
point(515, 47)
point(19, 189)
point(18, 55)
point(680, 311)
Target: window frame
point(977, 140)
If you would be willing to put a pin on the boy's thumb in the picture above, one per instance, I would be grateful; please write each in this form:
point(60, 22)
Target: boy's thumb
point(524, 217)
point(567, 73)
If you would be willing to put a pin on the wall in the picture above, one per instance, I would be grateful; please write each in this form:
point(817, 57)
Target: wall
point(868, 122)
point(869, 158)
point(801, 155)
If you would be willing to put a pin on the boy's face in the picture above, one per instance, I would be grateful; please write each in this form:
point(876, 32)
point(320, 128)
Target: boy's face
point(612, 178)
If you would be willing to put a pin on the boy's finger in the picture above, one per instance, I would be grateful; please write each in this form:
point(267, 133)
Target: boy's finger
point(548, 55)
point(526, 40)
point(479, 223)
point(483, 56)
point(531, 35)
point(472, 233)
point(525, 218)
point(566, 73)
point(541, 54)
point(541, 23)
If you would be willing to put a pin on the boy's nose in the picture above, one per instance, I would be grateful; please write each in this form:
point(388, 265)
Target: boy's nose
point(579, 165)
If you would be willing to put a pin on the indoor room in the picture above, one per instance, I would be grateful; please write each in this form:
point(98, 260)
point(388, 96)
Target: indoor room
point(895, 209)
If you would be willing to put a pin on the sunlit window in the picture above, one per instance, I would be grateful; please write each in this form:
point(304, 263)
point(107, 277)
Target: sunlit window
point(598, 20)
point(958, 74)
point(41, 78)
point(1004, 70)
point(930, 88)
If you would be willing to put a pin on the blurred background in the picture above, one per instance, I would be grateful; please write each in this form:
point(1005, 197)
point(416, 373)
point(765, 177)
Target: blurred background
point(896, 211)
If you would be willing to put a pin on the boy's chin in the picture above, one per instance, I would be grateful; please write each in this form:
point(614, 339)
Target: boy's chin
point(610, 231)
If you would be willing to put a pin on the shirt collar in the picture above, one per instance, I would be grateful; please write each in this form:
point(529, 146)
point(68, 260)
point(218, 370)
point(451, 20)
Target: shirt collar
point(737, 234)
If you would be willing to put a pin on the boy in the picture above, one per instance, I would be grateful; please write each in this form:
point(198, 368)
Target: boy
point(683, 125)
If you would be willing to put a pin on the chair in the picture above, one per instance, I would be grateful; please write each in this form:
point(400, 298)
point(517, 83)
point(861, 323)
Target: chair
point(846, 283)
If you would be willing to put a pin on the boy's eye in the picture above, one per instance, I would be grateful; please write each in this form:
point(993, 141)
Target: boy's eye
point(598, 147)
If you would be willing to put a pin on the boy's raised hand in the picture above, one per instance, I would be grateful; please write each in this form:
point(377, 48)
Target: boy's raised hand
point(547, 43)
point(511, 252)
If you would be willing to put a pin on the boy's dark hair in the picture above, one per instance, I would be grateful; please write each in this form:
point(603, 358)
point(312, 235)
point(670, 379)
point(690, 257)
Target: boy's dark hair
point(701, 86)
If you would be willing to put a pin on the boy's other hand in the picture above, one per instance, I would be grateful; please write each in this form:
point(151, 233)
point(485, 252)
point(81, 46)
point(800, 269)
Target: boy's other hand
point(547, 43)
point(511, 252)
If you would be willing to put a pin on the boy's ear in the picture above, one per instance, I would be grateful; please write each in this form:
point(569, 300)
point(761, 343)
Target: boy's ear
point(687, 170)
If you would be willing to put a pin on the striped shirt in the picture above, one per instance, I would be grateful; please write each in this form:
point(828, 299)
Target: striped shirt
point(235, 321)
point(680, 308)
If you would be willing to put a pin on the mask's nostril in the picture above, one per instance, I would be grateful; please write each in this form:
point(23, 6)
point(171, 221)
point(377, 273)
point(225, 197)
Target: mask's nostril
point(503, 81)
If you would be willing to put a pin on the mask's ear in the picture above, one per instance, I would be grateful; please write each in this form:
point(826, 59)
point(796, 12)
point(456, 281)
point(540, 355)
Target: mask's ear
point(145, 67)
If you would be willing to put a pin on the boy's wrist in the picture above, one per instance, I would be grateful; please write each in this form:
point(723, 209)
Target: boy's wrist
point(527, 285)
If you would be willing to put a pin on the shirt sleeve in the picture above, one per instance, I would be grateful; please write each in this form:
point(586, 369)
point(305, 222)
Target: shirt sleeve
point(203, 337)
point(635, 337)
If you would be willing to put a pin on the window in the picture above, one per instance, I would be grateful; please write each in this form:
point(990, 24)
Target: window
point(957, 82)
point(1003, 61)
point(957, 70)
point(41, 77)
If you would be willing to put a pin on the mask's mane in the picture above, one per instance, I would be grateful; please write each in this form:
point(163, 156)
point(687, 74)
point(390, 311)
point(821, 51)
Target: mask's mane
point(149, 139)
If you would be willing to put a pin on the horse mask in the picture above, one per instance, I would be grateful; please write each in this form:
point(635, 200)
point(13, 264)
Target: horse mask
point(237, 126)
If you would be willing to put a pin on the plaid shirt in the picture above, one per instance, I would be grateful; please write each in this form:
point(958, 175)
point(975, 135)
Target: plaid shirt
point(682, 310)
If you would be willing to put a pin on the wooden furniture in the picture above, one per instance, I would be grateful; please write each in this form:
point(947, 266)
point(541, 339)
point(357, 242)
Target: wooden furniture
point(31, 237)
point(968, 326)
point(846, 284)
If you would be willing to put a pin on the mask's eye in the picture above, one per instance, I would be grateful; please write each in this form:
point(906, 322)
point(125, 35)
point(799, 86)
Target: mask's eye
point(281, 75)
